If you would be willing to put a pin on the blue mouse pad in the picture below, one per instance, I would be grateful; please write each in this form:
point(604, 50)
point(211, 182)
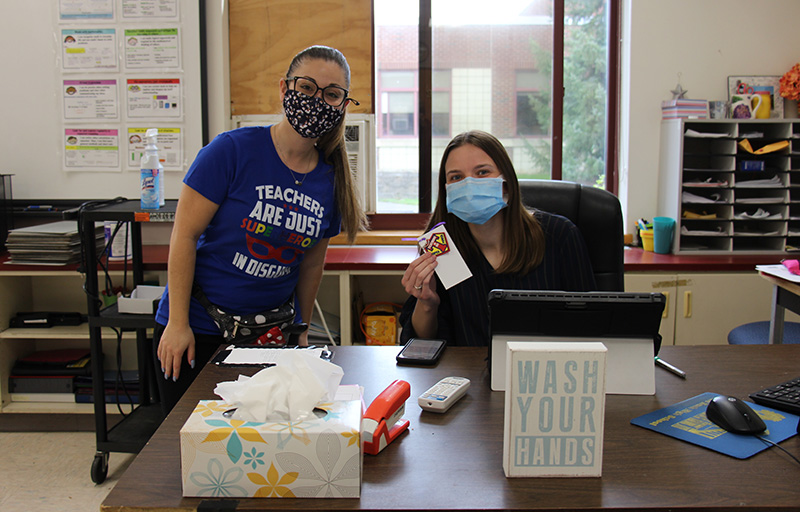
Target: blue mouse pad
point(687, 421)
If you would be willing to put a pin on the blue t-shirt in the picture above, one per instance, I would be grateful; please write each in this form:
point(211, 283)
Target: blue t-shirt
point(249, 255)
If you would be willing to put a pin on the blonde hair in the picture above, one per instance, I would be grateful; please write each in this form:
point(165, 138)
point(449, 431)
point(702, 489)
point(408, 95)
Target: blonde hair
point(523, 237)
point(332, 145)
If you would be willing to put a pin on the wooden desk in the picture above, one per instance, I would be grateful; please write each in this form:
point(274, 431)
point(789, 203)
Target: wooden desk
point(785, 295)
point(453, 461)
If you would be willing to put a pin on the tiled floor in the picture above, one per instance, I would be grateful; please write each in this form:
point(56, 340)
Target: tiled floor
point(50, 471)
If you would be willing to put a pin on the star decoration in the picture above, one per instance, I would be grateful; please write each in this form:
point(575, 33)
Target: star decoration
point(679, 93)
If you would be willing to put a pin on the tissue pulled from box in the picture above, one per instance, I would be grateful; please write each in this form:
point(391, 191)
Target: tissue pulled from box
point(288, 391)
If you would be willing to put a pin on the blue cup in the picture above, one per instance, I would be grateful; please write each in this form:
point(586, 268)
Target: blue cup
point(663, 233)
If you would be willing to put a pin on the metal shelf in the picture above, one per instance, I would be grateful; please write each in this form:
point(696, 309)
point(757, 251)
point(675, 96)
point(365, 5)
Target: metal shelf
point(132, 433)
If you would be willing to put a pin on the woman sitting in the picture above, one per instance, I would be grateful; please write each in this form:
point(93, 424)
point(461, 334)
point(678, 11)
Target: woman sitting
point(504, 245)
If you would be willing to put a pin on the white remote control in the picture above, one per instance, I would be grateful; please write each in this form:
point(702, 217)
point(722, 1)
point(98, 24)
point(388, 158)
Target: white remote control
point(442, 395)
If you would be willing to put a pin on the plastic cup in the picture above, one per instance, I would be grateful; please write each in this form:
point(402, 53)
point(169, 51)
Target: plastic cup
point(663, 232)
point(647, 239)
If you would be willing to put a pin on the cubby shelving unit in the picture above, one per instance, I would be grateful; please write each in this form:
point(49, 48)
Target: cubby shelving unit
point(724, 198)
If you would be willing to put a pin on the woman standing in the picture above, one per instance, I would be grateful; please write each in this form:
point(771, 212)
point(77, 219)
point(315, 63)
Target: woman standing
point(504, 245)
point(254, 217)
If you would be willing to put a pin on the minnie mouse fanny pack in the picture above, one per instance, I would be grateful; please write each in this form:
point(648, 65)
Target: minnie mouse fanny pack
point(264, 328)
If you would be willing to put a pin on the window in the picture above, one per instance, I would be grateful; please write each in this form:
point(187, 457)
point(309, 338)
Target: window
point(491, 69)
point(441, 114)
point(398, 102)
point(530, 103)
point(441, 104)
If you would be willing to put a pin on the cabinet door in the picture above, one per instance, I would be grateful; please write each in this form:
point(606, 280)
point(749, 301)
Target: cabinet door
point(709, 305)
point(657, 283)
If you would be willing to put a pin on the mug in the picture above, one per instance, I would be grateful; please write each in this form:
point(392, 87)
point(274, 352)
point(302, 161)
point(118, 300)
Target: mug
point(743, 106)
point(762, 110)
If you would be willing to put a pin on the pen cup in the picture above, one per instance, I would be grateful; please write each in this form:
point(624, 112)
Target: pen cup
point(647, 239)
point(663, 232)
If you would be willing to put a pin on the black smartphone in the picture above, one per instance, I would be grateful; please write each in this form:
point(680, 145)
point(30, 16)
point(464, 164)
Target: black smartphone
point(421, 351)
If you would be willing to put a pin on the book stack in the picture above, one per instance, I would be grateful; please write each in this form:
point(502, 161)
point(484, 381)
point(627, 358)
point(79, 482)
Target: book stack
point(48, 376)
point(680, 108)
point(56, 243)
point(121, 387)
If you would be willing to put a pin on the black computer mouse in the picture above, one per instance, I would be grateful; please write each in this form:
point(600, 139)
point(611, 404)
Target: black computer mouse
point(734, 415)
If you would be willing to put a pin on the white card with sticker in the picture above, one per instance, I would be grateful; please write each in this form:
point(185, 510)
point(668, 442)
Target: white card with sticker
point(451, 268)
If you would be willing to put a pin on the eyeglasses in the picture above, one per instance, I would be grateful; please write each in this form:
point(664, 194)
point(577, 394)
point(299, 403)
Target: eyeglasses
point(333, 95)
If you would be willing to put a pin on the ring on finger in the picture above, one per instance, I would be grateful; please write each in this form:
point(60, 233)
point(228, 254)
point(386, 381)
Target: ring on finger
point(418, 287)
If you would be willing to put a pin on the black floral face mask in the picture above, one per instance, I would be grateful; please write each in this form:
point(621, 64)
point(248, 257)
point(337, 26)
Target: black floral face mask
point(310, 116)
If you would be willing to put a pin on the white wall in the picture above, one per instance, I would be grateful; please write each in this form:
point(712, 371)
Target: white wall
point(705, 41)
point(218, 68)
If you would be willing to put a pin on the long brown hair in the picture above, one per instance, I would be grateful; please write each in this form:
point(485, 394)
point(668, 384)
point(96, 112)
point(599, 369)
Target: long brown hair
point(332, 145)
point(523, 237)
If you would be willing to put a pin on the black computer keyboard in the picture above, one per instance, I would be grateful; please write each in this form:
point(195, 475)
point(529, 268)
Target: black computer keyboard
point(785, 397)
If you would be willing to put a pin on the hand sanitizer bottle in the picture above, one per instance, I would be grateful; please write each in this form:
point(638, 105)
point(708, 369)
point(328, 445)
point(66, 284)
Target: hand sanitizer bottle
point(151, 172)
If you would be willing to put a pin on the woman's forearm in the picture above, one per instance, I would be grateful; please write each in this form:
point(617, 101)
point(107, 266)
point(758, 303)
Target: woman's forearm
point(180, 276)
point(193, 215)
point(424, 319)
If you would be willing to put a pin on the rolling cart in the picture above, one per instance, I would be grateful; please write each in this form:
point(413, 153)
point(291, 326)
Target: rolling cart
point(134, 430)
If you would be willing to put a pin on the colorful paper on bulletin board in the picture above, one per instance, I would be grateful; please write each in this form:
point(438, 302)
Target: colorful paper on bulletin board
point(687, 421)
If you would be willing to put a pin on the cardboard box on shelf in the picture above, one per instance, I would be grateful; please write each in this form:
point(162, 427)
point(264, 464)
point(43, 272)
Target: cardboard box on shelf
point(142, 300)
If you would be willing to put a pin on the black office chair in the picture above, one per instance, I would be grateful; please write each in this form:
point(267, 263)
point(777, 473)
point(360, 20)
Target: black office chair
point(597, 214)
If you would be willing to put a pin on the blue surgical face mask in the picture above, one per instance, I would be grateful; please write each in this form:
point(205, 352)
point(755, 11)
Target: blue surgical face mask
point(475, 200)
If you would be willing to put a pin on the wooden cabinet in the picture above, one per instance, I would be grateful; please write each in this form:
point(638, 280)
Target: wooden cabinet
point(725, 198)
point(703, 307)
point(25, 289)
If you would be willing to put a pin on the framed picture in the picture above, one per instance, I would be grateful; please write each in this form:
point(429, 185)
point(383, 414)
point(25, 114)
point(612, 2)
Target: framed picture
point(755, 84)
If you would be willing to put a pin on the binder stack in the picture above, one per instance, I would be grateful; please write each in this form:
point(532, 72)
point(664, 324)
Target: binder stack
point(48, 375)
point(56, 243)
point(120, 387)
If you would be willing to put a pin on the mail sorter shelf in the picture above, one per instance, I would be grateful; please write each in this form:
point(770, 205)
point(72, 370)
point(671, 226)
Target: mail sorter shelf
point(724, 198)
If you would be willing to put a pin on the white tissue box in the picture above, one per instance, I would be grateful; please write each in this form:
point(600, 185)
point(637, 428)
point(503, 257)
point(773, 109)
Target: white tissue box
point(141, 300)
point(317, 458)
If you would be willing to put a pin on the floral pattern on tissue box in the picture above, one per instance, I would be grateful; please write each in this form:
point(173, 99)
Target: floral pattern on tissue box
point(315, 458)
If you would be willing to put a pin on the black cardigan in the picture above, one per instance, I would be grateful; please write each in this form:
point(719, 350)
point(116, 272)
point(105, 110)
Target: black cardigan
point(464, 312)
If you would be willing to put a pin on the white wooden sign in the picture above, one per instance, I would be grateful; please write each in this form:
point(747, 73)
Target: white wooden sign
point(554, 409)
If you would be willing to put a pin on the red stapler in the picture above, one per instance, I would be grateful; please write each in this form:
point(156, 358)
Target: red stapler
point(382, 422)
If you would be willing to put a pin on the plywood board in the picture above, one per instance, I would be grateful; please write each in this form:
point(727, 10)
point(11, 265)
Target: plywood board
point(266, 34)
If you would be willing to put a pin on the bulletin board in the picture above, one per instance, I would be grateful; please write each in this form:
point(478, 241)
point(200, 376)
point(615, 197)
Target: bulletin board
point(94, 75)
point(266, 34)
